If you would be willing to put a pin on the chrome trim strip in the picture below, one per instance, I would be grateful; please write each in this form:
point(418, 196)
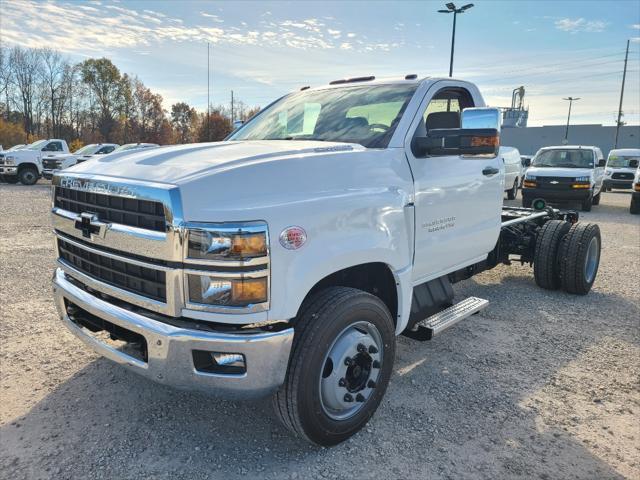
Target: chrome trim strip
point(170, 348)
point(235, 275)
point(114, 256)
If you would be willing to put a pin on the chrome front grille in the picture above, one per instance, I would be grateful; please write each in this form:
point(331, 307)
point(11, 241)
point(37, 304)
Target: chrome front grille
point(141, 280)
point(51, 163)
point(132, 212)
point(109, 238)
point(622, 176)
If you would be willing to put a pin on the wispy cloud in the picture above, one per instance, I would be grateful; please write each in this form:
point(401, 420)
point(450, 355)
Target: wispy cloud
point(575, 25)
point(84, 29)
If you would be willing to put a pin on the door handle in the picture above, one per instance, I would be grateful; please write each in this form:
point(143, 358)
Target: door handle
point(488, 171)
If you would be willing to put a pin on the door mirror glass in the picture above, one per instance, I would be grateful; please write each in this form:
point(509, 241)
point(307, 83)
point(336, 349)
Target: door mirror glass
point(473, 118)
point(479, 135)
point(526, 162)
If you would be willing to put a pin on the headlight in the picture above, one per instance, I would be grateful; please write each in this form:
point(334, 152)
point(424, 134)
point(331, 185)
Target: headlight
point(583, 179)
point(10, 160)
point(227, 242)
point(608, 172)
point(227, 292)
point(530, 177)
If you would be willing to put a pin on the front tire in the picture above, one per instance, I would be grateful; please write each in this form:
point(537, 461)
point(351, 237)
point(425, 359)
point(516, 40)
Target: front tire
point(586, 204)
point(596, 199)
point(340, 365)
point(28, 176)
point(635, 206)
point(580, 258)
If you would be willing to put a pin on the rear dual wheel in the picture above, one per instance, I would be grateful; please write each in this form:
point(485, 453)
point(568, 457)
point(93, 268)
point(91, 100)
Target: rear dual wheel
point(567, 256)
point(340, 365)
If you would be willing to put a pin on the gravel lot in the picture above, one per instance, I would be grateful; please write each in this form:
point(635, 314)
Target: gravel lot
point(539, 385)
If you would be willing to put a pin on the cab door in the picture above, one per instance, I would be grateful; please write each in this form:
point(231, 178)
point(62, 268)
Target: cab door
point(458, 199)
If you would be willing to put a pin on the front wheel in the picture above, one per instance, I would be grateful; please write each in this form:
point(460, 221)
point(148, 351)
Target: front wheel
point(635, 205)
point(586, 204)
point(596, 199)
point(340, 365)
point(28, 176)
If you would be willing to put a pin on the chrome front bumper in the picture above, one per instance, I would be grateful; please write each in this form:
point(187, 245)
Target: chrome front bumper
point(8, 170)
point(170, 357)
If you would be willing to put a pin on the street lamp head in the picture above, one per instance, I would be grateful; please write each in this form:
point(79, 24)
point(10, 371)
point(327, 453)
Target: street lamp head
point(444, 11)
point(451, 6)
point(466, 7)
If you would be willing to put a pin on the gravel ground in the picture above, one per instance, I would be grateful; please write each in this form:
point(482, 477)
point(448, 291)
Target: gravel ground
point(539, 385)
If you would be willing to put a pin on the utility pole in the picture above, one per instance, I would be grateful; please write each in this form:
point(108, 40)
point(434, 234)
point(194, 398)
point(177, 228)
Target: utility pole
point(232, 116)
point(566, 132)
point(624, 76)
point(208, 101)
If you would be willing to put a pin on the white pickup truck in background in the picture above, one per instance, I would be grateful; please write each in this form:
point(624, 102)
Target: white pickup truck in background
point(60, 161)
point(25, 165)
point(287, 259)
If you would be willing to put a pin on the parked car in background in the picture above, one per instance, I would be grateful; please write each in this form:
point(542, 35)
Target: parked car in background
point(635, 194)
point(565, 174)
point(134, 146)
point(61, 161)
point(621, 167)
point(25, 165)
point(512, 170)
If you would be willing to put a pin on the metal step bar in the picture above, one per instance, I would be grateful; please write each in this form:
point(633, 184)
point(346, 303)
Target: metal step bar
point(435, 324)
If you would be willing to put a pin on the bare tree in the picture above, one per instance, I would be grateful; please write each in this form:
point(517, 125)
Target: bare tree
point(53, 72)
point(25, 69)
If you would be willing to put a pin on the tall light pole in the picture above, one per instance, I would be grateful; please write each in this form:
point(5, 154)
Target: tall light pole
point(451, 8)
point(571, 100)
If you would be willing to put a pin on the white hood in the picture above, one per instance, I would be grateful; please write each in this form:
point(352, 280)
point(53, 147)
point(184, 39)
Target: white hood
point(559, 172)
point(181, 164)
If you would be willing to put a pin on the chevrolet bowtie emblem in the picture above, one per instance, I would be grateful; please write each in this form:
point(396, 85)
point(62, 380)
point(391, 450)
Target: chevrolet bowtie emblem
point(90, 226)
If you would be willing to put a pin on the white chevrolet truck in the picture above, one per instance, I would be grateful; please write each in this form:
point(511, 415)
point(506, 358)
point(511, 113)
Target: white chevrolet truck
point(285, 260)
point(25, 165)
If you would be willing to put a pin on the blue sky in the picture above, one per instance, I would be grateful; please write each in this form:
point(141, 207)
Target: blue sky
point(263, 49)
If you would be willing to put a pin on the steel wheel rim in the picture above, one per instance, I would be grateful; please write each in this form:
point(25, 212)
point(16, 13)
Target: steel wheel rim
point(591, 261)
point(29, 176)
point(346, 389)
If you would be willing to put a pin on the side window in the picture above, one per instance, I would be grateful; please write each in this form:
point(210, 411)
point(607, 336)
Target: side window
point(445, 108)
point(53, 147)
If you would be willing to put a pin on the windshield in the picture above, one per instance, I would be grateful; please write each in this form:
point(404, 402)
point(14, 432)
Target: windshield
point(365, 115)
point(128, 146)
point(620, 161)
point(86, 149)
point(37, 145)
point(564, 158)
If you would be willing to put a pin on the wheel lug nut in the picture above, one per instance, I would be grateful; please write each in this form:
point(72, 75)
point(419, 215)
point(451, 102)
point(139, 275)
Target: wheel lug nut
point(342, 382)
point(372, 349)
point(360, 398)
point(348, 397)
point(371, 384)
point(361, 348)
point(348, 361)
point(375, 364)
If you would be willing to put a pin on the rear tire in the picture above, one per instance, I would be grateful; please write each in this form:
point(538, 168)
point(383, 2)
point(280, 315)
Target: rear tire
point(312, 402)
point(596, 199)
point(28, 176)
point(580, 258)
point(513, 193)
point(546, 268)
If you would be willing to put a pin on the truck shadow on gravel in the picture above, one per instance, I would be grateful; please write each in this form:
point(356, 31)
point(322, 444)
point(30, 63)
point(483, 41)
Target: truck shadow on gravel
point(494, 397)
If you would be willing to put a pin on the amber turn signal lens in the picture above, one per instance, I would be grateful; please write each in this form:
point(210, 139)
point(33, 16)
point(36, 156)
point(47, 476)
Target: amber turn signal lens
point(250, 290)
point(581, 185)
point(529, 184)
point(253, 245)
point(485, 141)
